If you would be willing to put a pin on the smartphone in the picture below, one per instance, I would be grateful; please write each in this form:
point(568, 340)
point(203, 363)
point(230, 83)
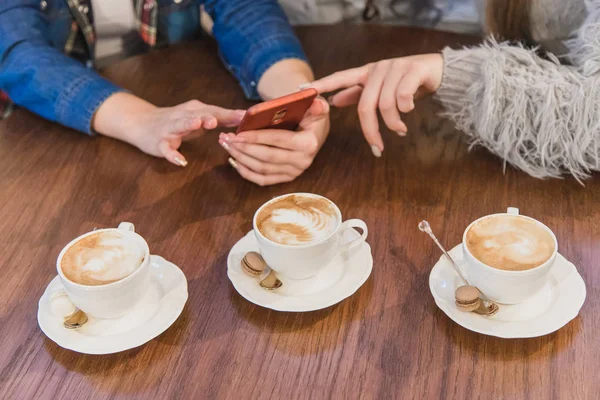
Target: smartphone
point(282, 113)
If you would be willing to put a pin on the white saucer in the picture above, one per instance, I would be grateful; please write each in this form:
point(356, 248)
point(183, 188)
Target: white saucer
point(161, 306)
point(342, 277)
point(547, 311)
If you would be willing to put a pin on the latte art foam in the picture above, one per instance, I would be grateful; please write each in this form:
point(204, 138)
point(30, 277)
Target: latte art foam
point(297, 220)
point(510, 243)
point(102, 258)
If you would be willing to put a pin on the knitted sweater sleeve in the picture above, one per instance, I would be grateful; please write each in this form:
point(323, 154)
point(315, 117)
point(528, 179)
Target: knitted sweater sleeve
point(538, 115)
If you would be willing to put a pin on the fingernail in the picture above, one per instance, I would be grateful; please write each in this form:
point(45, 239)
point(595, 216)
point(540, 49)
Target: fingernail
point(224, 144)
point(330, 100)
point(304, 86)
point(181, 161)
point(232, 162)
point(401, 133)
point(376, 151)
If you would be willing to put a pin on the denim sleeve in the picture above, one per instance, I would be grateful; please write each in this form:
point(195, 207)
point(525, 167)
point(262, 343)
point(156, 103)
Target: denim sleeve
point(38, 76)
point(252, 35)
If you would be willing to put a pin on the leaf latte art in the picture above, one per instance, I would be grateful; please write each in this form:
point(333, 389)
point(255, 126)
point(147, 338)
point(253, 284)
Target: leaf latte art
point(297, 220)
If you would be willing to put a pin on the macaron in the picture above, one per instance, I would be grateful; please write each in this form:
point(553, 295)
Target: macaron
point(467, 298)
point(253, 264)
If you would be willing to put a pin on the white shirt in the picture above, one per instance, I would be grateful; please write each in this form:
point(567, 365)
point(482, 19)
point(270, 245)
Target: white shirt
point(116, 35)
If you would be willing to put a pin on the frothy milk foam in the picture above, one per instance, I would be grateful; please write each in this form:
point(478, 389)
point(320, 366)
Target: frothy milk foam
point(297, 220)
point(510, 243)
point(102, 258)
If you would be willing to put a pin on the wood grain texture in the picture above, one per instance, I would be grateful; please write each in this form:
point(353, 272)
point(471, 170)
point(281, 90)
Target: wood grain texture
point(387, 341)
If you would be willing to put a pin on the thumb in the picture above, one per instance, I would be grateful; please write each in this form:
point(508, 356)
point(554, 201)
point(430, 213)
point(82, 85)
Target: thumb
point(168, 151)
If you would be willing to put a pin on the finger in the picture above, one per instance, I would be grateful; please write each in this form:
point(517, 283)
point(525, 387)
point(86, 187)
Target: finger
point(259, 179)
point(224, 116)
point(407, 89)
point(184, 124)
point(342, 79)
point(387, 101)
point(209, 122)
point(270, 137)
point(269, 154)
point(260, 166)
point(318, 108)
point(210, 113)
point(346, 97)
point(171, 154)
point(187, 122)
point(367, 106)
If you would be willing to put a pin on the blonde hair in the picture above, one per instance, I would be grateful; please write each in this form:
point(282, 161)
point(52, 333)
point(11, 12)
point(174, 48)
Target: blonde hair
point(510, 20)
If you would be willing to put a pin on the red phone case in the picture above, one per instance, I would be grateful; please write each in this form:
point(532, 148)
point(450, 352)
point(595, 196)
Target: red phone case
point(282, 113)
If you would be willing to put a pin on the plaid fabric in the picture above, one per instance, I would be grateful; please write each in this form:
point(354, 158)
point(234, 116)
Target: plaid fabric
point(81, 41)
point(146, 20)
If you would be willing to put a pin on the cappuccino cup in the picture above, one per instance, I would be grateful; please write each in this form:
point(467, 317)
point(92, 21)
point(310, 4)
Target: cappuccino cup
point(105, 272)
point(508, 256)
point(299, 234)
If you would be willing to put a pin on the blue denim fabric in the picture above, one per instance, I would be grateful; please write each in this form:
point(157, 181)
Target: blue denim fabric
point(252, 35)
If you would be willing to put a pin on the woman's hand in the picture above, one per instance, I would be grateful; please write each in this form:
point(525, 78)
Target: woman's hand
point(389, 85)
point(271, 156)
point(159, 131)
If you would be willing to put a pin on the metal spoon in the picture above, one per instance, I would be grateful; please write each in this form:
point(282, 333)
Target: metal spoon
point(271, 282)
point(75, 320)
point(488, 307)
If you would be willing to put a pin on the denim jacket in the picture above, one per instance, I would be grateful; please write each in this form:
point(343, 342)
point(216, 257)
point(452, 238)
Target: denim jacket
point(35, 36)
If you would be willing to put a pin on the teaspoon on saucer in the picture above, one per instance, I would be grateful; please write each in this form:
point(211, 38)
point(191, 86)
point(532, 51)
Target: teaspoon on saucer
point(75, 320)
point(270, 282)
point(486, 307)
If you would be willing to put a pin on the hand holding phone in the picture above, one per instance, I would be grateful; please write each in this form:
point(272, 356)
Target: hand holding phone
point(280, 154)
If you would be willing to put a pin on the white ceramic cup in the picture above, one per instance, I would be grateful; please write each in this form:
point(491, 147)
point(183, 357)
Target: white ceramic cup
point(115, 299)
point(305, 261)
point(507, 287)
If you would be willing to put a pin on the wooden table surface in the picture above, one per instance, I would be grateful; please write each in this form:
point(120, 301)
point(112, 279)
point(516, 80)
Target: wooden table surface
point(389, 340)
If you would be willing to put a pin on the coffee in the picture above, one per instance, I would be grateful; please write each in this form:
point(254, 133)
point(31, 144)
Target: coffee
point(297, 220)
point(102, 258)
point(510, 242)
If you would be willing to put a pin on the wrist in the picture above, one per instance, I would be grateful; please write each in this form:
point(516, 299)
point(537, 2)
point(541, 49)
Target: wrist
point(438, 71)
point(283, 78)
point(120, 116)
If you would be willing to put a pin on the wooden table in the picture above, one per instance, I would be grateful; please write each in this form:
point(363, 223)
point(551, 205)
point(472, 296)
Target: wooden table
point(387, 341)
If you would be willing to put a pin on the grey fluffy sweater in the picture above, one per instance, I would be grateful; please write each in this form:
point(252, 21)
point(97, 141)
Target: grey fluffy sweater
point(542, 116)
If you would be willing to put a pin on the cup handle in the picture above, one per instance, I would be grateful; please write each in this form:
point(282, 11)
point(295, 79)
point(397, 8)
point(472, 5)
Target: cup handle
point(351, 224)
point(60, 304)
point(58, 293)
point(512, 211)
point(126, 226)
